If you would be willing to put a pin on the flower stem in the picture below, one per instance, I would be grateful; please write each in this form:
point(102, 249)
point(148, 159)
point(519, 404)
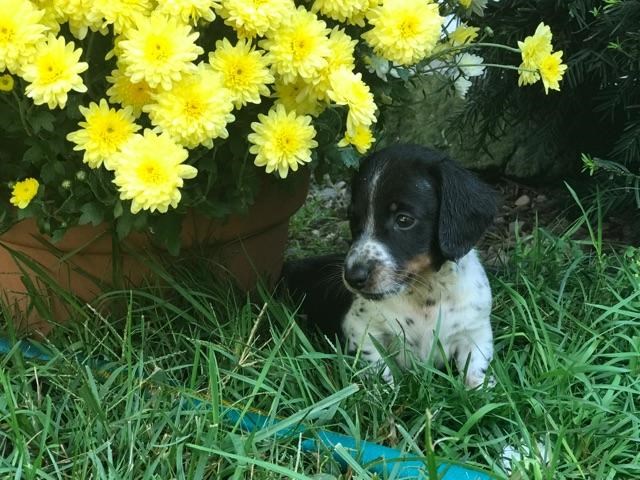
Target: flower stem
point(23, 119)
point(468, 46)
point(87, 52)
point(496, 45)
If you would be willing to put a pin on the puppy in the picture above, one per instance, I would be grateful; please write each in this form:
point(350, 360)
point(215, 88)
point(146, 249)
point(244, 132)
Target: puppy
point(412, 282)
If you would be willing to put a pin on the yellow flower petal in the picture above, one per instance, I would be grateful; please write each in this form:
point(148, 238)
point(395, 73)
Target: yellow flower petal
point(55, 71)
point(23, 192)
point(404, 31)
point(150, 171)
point(103, 133)
point(282, 141)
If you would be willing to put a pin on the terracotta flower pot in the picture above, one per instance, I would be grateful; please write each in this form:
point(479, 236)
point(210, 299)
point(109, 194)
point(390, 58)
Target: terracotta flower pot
point(84, 262)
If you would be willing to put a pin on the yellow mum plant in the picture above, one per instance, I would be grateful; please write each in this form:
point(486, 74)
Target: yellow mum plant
point(134, 111)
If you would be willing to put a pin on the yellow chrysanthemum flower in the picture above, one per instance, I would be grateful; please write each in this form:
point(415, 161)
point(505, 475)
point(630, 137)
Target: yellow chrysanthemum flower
point(344, 11)
point(463, 34)
point(244, 70)
point(533, 49)
point(551, 71)
point(159, 51)
point(360, 137)
point(254, 18)
point(300, 46)
point(55, 71)
point(20, 31)
point(298, 96)
point(347, 88)
point(537, 46)
point(189, 11)
point(282, 140)
point(81, 16)
point(342, 47)
point(195, 111)
point(6, 83)
point(23, 192)
point(527, 75)
point(122, 14)
point(51, 18)
point(127, 94)
point(103, 133)
point(150, 171)
point(404, 31)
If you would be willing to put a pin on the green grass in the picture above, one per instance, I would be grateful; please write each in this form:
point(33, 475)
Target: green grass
point(567, 364)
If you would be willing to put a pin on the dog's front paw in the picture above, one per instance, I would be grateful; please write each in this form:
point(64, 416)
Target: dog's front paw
point(477, 379)
point(387, 376)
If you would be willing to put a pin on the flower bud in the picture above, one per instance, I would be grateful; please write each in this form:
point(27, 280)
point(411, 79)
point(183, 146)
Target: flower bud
point(6, 83)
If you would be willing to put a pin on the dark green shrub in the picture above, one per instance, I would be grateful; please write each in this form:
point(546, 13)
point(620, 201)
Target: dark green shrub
point(597, 110)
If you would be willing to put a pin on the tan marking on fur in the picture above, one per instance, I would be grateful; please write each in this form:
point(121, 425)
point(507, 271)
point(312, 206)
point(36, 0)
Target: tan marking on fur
point(419, 265)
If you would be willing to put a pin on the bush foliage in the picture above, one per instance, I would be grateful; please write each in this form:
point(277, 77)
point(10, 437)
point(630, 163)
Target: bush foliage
point(597, 110)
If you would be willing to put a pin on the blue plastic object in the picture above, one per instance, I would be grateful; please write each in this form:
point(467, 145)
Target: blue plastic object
point(384, 461)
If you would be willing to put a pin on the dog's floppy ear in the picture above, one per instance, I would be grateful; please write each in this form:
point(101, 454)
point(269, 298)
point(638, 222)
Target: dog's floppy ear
point(467, 208)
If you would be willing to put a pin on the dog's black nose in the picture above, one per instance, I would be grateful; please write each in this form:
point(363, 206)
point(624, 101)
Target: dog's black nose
point(357, 275)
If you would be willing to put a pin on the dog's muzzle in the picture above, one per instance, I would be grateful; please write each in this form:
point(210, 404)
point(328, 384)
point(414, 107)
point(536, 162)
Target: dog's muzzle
point(369, 271)
point(357, 274)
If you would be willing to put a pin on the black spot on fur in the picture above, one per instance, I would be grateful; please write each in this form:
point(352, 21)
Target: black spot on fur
point(409, 321)
point(430, 302)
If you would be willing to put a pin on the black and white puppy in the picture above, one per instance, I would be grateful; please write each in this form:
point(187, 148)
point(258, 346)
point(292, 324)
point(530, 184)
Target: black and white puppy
point(413, 281)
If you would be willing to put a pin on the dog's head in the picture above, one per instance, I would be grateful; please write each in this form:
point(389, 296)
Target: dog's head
point(411, 210)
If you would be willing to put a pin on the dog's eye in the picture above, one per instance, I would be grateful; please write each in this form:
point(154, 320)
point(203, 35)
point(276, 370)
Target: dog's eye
point(404, 222)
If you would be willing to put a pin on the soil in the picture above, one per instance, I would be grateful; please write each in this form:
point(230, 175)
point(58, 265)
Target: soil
point(523, 207)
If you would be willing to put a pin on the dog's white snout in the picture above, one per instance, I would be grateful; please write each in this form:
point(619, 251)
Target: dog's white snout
point(366, 264)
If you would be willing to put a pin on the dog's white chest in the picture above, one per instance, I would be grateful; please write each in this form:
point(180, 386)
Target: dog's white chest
point(448, 313)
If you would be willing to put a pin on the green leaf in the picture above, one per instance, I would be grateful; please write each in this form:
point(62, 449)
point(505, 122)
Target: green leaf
point(350, 157)
point(10, 122)
point(124, 224)
point(129, 222)
point(403, 73)
point(73, 107)
point(58, 234)
point(167, 229)
point(42, 120)
point(118, 209)
point(92, 213)
point(52, 172)
point(33, 155)
point(237, 146)
point(28, 212)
